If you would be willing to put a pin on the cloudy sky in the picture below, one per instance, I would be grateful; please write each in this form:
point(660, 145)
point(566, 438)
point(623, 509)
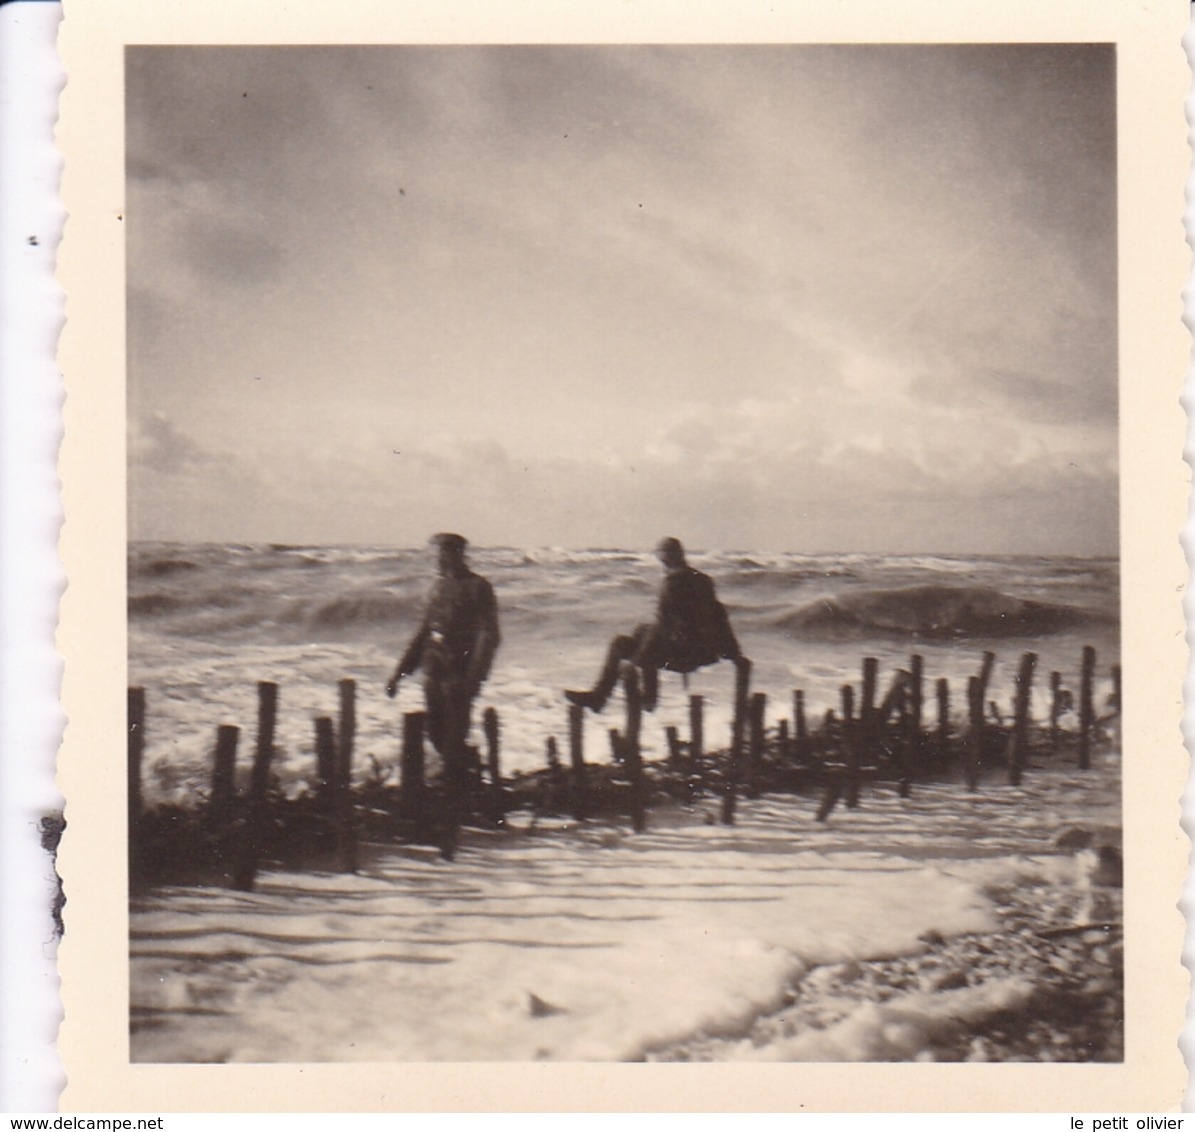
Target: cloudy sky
point(807, 298)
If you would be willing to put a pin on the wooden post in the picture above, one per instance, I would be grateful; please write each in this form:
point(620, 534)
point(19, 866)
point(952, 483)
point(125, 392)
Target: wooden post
point(783, 743)
point(985, 674)
point(1086, 708)
point(742, 687)
point(865, 746)
point(1055, 707)
point(617, 746)
point(916, 688)
point(696, 738)
point(344, 813)
point(758, 708)
point(411, 786)
point(347, 730)
point(489, 725)
point(742, 683)
point(850, 742)
point(914, 744)
point(136, 724)
point(259, 783)
point(1020, 726)
point(676, 753)
point(345, 738)
point(894, 701)
point(974, 743)
point(219, 807)
point(943, 687)
point(340, 805)
point(325, 763)
point(800, 732)
point(576, 751)
point(634, 759)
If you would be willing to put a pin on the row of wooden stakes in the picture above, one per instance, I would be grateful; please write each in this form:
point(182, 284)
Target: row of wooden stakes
point(867, 736)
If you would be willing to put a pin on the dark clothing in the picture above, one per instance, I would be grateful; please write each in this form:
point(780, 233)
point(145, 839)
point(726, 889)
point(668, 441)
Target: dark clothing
point(459, 634)
point(455, 647)
point(691, 630)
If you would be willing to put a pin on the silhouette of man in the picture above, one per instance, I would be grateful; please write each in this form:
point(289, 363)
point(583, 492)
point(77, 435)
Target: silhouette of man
point(455, 646)
point(691, 630)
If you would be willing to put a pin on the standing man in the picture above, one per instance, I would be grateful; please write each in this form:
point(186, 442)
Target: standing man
point(691, 630)
point(454, 645)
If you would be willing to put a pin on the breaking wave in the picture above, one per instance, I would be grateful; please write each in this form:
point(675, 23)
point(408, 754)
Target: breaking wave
point(934, 611)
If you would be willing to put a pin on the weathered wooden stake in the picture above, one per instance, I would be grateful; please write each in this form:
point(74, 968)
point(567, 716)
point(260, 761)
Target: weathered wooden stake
point(985, 674)
point(850, 741)
point(943, 687)
point(916, 688)
point(1055, 707)
point(412, 789)
point(489, 725)
point(783, 743)
point(347, 729)
point(634, 758)
point(912, 755)
point(676, 751)
point(259, 783)
point(343, 810)
point(895, 700)
point(759, 705)
point(219, 807)
point(345, 738)
point(136, 724)
point(696, 738)
point(742, 687)
point(1020, 726)
point(325, 763)
point(866, 731)
point(1086, 708)
point(576, 751)
point(338, 798)
point(742, 684)
point(867, 704)
point(974, 743)
point(800, 732)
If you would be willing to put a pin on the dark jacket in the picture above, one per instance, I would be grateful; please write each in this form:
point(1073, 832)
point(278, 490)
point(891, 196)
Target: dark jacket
point(459, 634)
point(692, 628)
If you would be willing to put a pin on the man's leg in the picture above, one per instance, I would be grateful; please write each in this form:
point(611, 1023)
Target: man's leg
point(455, 730)
point(434, 699)
point(621, 648)
point(647, 659)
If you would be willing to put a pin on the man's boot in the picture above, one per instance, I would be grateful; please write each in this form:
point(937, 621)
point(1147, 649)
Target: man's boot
point(585, 699)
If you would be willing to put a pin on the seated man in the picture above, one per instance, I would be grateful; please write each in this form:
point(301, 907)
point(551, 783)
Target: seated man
point(691, 630)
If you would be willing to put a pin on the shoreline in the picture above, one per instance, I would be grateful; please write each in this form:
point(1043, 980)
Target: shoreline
point(948, 926)
point(1036, 990)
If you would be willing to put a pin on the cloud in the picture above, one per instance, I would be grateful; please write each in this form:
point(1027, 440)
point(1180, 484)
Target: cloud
point(561, 294)
point(157, 446)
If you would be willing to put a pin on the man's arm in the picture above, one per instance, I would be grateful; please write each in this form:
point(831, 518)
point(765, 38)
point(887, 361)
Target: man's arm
point(728, 644)
point(487, 639)
point(410, 660)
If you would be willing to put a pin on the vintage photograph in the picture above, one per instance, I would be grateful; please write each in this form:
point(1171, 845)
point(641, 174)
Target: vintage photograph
point(624, 553)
